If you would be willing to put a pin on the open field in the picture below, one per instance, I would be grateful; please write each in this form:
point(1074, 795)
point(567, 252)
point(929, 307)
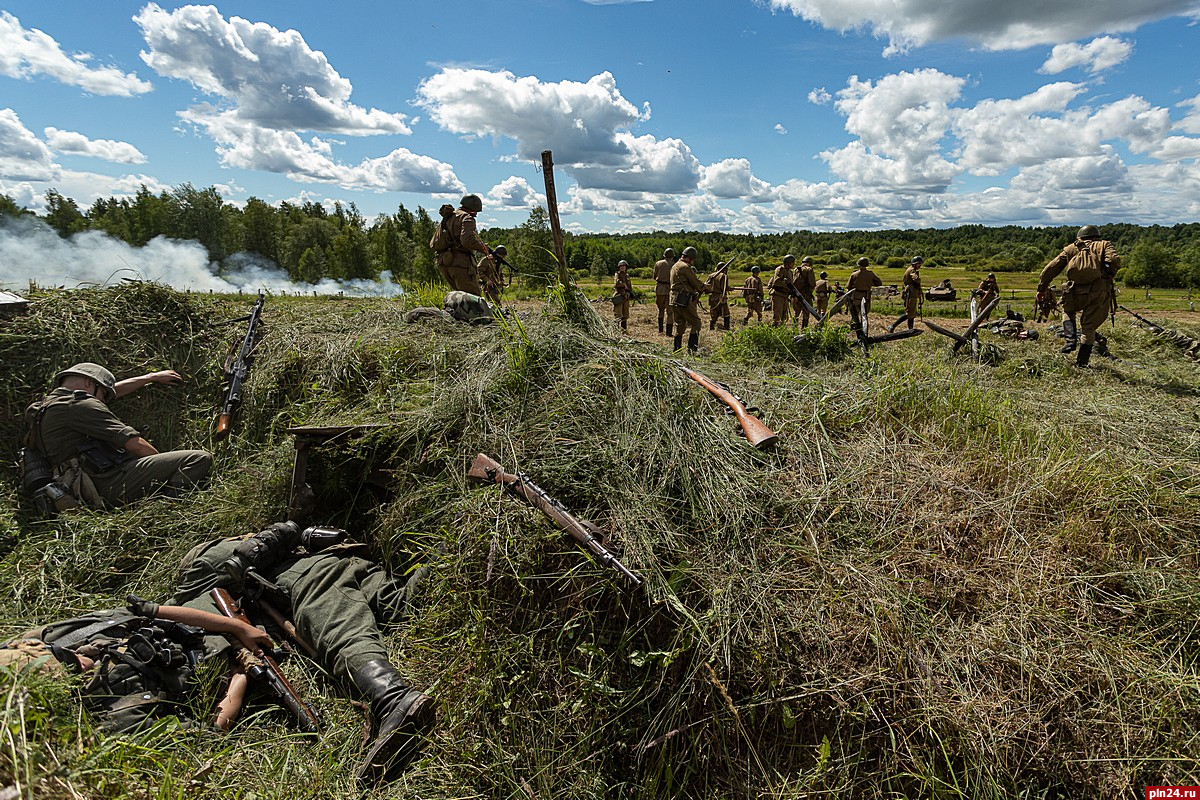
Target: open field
point(949, 579)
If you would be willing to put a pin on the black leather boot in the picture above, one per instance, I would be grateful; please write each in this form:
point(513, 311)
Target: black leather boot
point(726, 323)
point(624, 324)
point(402, 716)
point(712, 324)
point(1084, 355)
point(669, 329)
point(693, 342)
point(660, 328)
point(677, 344)
point(1072, 336)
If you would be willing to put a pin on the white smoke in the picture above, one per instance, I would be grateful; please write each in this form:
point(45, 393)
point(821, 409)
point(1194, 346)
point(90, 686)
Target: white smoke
point(33, 252)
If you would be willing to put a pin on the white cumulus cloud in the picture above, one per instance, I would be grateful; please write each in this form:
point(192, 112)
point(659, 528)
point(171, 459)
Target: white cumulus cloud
point(26, 53)
point(107, 149)
point(1095, 56)
point(1009, 25)
point(23, 156)
point(514, 192)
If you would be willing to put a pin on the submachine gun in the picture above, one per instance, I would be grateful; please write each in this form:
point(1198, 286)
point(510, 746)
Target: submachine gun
point(237, 367)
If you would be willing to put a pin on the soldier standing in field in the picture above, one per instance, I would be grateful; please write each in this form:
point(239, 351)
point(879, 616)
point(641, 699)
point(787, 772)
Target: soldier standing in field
point(489, 273)
point(622, 294)
point(782, 289)
point(987, 291)
point(754, 295)
point(1091, 264)
point(805, 283)
point(822, 292)
point(911, 293)
point(861, 281)
point(686, 289)
point(458, 234)
point(717, 287)
point(662, 289)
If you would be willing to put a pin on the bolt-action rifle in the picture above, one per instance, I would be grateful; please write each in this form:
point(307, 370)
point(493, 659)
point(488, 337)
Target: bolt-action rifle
point(237, 367)
point(263, 668)
point(587, 534)
point(757, 433)
point(1151, 325)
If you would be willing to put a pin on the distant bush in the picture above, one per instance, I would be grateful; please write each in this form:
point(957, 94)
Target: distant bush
point(753, 344)
point(896, 262)
point(1154, 265)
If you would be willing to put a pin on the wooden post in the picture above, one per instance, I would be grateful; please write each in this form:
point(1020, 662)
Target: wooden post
point(552, 207)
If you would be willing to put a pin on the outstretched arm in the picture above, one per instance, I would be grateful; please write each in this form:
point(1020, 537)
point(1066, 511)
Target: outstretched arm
point(131, 385)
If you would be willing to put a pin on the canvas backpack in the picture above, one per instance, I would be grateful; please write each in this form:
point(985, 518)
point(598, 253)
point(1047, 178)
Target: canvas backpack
point(443, 239)
point(1087, 265)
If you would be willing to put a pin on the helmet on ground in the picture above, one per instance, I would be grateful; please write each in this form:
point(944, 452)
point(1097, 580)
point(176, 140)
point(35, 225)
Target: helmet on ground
point(501, 249)
point(789, 259)
point(91, 371)
point(689, 252)
point(669, 252)
point(1088, 232)
point(471, 202)
point(806, 260)
point(863, 262)
point(918, 260)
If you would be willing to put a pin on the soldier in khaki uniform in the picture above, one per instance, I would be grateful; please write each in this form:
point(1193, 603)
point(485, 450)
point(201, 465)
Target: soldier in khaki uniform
point(987, 291)
point(662, 289)
point(1089, 294)
point(458, 263)
point(861, 281)
point(717, 287)
point(490, 278)
point(782, 289)
point(911, 293)
point(100, 458)
point(822, 292)
point(686, 289)
point(622, 294)
point(754, 295)
point(805, 283)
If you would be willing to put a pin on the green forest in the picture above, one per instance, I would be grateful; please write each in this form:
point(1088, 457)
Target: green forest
point(312, 243)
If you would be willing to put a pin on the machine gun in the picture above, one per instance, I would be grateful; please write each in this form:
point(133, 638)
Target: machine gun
point(487, 470)
point(237, 367)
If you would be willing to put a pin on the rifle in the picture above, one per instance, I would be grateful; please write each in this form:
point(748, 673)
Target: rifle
point(236, 369)
point(265, 669)
point(756, 432)
point(587, 534)
point(1151, 325)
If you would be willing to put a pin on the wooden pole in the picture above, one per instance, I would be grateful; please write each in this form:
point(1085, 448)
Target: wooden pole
point(555, 226)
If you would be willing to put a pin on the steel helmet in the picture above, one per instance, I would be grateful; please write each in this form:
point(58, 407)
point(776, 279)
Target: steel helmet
point(1088, 232)
point(806, 260)
point(689, 252)
point(501, 249)
point(471, 202)
point(789, 258)
point(669, 252)
point(863, 262)
point(756, 269)
point(92, 371)
point(918, 260)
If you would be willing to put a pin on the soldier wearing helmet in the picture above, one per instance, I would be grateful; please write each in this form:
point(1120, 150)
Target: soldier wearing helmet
point(753, 291)
point(622, 294)
point(822, 291)
point(662, 289)
point(782, 288)
point(911, 292)
point(457, 262)
point(987, 291)
point(862, 280)
point(1091, 264)
point(717, 286)
point(101, 459)
point(686, 289)
point(806, 284)
point(490, 279)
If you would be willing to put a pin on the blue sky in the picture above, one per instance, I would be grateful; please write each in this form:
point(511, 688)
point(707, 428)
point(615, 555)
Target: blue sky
point(740, 115)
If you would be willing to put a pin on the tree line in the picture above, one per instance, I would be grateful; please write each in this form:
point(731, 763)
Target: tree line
point(312, 243)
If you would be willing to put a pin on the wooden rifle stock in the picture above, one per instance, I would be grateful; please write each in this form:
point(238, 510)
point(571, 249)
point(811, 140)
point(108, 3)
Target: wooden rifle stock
point(268, 671)
point(487, 470)
point(757, 433)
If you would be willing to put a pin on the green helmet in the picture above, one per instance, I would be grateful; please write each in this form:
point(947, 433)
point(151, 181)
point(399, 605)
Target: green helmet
point(824, 275)
point(92, 371)
point(806, 260)
point(1088, 232)
point(669, 252)
point(863, 262)
point(789, 259)
point(471, 202)
point(689, 252)
point(756, 270)
point(501, 249)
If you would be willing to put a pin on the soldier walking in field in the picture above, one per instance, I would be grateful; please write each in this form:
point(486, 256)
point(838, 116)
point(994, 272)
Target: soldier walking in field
point(622, 294)
point(754, 295)
point(911, 293)
point(782, 289)
point(861, 281)
point(662, 289)
point(686, 289)
point(1091, 264)
point(717, 287)
point(455, 242)
point(822, 292)
point(806, 283)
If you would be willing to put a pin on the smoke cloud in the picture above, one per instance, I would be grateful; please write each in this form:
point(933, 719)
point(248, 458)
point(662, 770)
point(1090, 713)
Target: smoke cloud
point(30, 250)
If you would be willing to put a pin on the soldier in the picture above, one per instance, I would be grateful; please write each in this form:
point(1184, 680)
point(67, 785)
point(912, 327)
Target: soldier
point(622, 294)
point(98, 457)
point(338, 603)
point(782, 289)
point(489, 273)
point(911, 294)
point(822, 292)
point(838, 291)
point(1091, 264)
point(686, 289)
point(861, 281)
point(987, 291)
point(717, 287)
point(662, 288)
point(754, 295)
point(458, 234)
point(805, 283)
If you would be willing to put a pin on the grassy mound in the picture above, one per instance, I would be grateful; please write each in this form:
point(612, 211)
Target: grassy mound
point(948, 580)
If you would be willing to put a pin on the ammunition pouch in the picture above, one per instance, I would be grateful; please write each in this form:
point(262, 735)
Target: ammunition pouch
point(682, 299)
point(99, 458)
